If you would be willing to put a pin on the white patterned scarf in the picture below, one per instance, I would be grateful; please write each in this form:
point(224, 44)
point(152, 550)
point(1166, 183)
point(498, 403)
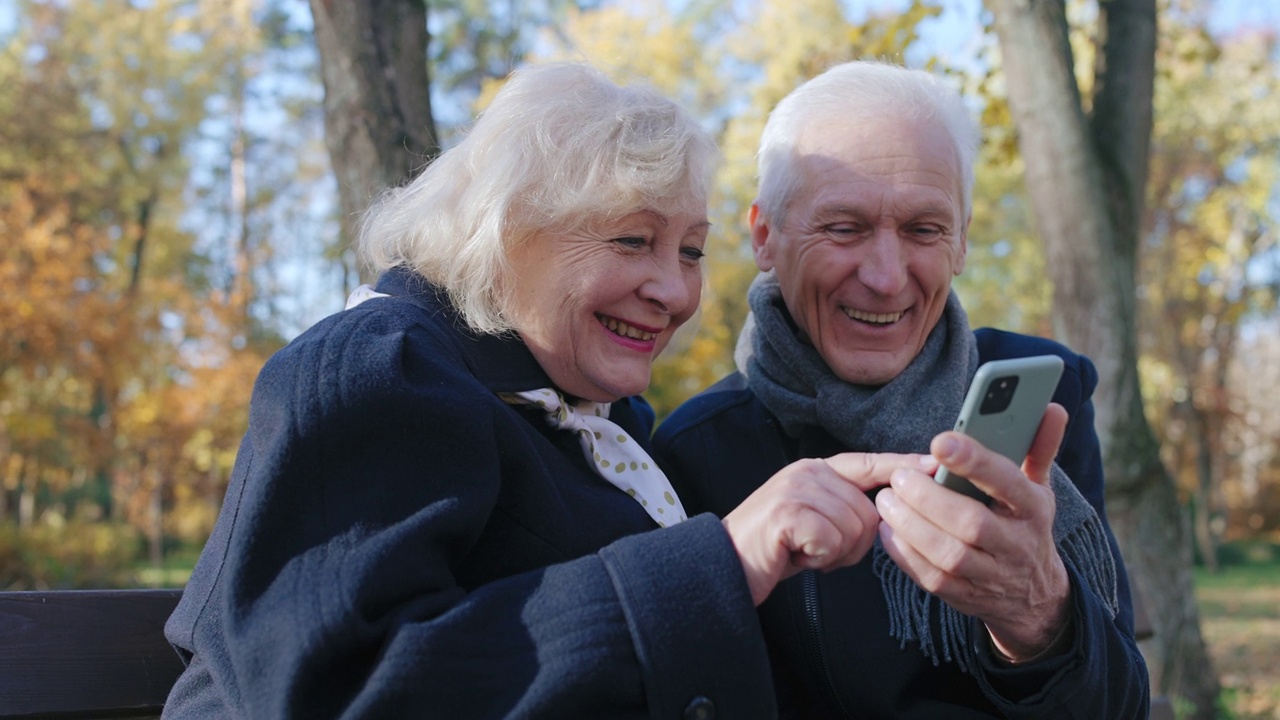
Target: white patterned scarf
point(612, 453)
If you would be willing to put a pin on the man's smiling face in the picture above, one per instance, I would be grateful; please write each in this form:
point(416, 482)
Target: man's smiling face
point(872, 235)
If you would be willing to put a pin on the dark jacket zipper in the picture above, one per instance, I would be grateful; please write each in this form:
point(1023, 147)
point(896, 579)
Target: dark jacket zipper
point(813, 640)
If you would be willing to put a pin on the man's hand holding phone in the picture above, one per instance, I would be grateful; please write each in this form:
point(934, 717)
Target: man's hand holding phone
point(998, 562)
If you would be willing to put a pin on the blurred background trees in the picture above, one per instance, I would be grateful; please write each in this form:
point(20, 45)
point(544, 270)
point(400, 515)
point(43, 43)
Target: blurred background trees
point(169, 216)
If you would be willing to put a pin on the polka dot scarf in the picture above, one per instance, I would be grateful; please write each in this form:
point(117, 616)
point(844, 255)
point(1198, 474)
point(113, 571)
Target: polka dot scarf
point(614, 454)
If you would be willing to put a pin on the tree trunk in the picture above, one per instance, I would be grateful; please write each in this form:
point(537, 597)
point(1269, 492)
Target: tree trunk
point(1086, 176)
point(155, 522)
point(6, 460)
point(1204, 505)
point(28, 479)
point(102, 441)
point(377, 106)
point(240, 286)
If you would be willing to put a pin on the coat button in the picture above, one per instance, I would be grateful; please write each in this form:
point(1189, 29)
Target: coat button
point(700, 708)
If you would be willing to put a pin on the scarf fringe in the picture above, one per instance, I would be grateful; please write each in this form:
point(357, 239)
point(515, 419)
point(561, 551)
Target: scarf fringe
point(1087, 552)
point(911, 609)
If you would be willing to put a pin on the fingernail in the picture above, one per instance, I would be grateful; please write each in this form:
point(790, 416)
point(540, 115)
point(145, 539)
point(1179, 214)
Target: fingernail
point(885, 501)
point(945, 446)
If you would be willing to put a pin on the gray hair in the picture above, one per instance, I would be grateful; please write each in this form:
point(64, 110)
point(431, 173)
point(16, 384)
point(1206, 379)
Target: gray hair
point(853, 92)
point(560, 147)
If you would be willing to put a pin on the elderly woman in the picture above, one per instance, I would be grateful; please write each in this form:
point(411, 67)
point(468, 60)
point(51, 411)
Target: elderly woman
point(443, 506)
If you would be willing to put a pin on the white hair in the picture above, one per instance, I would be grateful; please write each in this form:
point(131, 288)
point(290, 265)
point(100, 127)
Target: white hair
point(854, 92)
point(561, 146)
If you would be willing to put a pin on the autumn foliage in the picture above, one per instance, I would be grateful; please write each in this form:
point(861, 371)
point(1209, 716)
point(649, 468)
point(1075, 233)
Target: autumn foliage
point(125, 370)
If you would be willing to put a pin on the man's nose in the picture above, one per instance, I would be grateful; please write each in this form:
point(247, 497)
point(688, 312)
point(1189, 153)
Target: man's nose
point(883, 266)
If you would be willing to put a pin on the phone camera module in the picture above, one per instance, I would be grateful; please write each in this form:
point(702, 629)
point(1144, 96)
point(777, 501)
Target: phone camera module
point(999, 394)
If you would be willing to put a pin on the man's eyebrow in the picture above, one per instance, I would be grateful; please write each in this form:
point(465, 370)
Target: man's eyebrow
point(935, 211)
point(824, 211)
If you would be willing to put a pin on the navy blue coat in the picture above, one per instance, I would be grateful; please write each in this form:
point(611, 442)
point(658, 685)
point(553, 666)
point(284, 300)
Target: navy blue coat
point(828, 634)
point(398, 542)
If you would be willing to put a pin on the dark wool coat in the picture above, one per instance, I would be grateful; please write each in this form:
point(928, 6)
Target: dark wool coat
point(398, 542)
point(828, 634)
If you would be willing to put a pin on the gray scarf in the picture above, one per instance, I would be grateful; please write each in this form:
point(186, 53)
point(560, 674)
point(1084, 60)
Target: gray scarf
point(903, 416)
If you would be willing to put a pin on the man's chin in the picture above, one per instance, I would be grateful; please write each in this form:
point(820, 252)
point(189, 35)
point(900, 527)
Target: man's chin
point(868, 371)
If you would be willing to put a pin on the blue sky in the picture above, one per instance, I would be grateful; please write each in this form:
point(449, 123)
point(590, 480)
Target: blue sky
point(953, 35)
point(8, 17)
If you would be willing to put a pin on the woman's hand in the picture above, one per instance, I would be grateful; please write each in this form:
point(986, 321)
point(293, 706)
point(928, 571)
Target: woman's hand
point(812, 514)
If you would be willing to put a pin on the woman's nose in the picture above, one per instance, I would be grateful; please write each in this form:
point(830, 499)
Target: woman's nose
point(668, 286)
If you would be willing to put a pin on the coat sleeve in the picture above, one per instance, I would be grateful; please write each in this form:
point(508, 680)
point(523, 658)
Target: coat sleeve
point(1104, 674)
point(330, 586)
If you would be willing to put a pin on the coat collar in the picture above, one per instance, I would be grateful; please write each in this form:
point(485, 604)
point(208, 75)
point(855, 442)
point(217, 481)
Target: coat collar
point(502, 363)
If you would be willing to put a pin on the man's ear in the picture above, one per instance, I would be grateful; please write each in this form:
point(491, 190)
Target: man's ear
point(760, 245)
point(964, 247)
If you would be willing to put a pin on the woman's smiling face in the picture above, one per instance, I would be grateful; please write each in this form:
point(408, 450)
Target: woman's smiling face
point(596, 305)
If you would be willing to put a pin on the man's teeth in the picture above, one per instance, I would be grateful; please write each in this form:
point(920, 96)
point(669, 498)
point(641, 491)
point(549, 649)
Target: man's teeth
point(620, 328)
point(878, 318)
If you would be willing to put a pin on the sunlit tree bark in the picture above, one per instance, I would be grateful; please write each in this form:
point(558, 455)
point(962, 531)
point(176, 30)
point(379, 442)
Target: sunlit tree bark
point(1086, 175)
point(378, 122)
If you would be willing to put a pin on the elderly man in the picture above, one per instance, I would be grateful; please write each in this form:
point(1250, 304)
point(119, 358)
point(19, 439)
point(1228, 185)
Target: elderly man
point(856, 343)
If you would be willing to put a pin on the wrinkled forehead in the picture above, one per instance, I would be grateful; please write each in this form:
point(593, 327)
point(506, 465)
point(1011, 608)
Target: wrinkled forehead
point(877, 137)
point(904, 152)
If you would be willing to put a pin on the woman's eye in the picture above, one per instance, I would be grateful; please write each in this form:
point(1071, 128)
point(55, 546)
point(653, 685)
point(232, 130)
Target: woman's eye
point(631, 241)
point(692, 254)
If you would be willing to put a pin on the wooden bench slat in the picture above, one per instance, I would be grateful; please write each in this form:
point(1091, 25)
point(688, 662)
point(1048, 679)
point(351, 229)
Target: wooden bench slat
point(86, 653)
point(102, 653)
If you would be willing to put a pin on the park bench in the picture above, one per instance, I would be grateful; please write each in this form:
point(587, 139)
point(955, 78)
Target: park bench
point(102, 654)
point(86, 653)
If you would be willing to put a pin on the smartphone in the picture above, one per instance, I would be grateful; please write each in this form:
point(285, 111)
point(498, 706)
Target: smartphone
point(1003, 409)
